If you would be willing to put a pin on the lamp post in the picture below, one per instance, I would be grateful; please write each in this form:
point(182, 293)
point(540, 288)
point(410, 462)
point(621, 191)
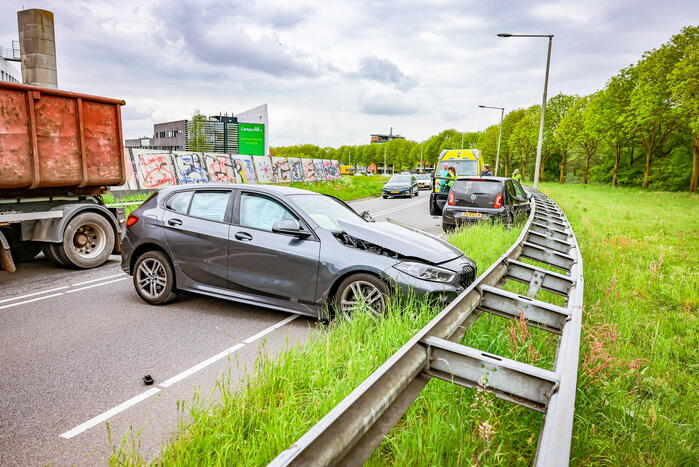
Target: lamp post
point(502, 115)
point(543, 103)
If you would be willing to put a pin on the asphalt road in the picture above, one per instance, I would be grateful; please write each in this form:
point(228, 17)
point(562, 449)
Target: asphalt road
point(75, 346)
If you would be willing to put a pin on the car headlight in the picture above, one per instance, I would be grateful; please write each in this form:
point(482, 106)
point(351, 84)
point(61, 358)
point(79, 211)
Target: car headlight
point(426, 272)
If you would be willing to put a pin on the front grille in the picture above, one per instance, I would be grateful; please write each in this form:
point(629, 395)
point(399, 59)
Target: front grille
point(468, 275)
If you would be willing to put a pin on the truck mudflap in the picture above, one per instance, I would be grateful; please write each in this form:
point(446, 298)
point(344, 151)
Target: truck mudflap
point(6, 262)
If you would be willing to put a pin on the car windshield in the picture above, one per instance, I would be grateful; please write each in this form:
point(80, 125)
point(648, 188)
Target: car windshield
point(462, 166)
point(423, 176)
point(400, 179)
point(326, 211)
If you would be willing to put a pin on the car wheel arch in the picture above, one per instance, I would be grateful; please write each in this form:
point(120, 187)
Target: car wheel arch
point(336, 283)
point(144, 248)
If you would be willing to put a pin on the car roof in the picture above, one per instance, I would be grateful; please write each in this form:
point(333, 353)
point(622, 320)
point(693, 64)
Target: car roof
point(271, 189)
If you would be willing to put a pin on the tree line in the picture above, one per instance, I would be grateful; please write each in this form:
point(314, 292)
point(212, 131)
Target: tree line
point(641, 129)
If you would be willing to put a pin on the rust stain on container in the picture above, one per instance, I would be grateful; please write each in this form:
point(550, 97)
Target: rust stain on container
point(55, 139)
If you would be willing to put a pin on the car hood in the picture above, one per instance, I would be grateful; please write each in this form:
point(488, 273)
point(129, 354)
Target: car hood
point(404, 240)
point(396, 186)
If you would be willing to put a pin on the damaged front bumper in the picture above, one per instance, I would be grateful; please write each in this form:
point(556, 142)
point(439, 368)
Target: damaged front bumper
point(443, 292)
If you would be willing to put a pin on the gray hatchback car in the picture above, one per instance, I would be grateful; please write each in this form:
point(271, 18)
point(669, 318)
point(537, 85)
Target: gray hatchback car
point(282, 248)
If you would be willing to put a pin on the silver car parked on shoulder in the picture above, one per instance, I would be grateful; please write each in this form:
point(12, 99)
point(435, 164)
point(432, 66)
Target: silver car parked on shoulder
point(282, 248)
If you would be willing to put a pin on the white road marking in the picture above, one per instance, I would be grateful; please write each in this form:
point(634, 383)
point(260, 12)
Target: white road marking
point(109, 413)
point(404, 206)
point(19, 297)
point(95, 285)
point(167, 383)
point(200, 366)
point(95, 280)
point(261, 334)
point(41, 292)
point(29, 301)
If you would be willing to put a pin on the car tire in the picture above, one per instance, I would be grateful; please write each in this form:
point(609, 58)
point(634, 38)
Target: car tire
point(448, 228)
point(368, 286)
point(88, 240)
point(384, 197)
point(154, 278)
point(508, 220)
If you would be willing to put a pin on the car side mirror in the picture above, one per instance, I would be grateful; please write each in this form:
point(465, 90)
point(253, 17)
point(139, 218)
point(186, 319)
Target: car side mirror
point(289, 227)
point(366, 216)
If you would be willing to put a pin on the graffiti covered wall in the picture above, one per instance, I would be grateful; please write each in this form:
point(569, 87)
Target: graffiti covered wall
point(153, 169)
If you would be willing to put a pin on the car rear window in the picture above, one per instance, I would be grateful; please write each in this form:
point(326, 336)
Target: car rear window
point(210, 205)
point(485, 187)
point(179, 202)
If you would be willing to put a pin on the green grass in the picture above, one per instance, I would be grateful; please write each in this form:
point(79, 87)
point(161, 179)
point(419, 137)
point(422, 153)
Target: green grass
point(637, 386)
point(347, 187)
point(284, 397)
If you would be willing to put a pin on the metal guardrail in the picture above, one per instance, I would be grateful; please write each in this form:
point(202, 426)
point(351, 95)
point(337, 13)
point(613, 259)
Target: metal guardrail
point(352, 430)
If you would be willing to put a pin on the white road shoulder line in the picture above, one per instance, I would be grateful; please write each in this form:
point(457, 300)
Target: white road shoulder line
point(109, 413)
point(32, 300)
point(19, 297)
point(167, 383)
point(200, 366)
point(96, 285)
point(398, 208)
point(41, 292)
point(96, 280)
point(263, 333)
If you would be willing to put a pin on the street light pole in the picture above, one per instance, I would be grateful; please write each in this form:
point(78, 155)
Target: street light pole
point(502, 115)
point(385, 167)
point(540, 143)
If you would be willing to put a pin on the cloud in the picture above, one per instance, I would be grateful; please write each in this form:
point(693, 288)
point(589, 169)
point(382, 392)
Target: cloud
point(335, 72)
point(216, 33)
point(387, 102)
point(383, 71)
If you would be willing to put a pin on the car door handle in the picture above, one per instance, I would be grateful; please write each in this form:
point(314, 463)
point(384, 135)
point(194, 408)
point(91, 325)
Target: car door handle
point(174, 222)
point(243, 236)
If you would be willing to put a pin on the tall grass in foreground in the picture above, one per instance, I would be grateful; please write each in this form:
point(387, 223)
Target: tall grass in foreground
point(638, 381)
point(283, 397)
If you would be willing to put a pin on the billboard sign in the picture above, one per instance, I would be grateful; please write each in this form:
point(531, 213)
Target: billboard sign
point(251, 139)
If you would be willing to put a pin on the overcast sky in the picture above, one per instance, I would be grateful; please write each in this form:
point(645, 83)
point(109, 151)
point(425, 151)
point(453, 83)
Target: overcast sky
point(333, 72)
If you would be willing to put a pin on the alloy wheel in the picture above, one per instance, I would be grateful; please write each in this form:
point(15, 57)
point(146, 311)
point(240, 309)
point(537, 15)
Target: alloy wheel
point(360, 294)
point(151, 278)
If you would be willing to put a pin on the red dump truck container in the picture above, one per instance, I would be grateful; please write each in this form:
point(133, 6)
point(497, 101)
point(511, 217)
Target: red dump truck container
point(52, 141)
point(58, 152)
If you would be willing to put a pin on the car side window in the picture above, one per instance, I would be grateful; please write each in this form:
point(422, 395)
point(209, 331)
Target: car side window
point(179, 202)
point(519, 190)
point(210, 205)
point(261, 212)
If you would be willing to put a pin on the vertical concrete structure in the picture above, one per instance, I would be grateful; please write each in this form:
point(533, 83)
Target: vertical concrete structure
point(38, 48)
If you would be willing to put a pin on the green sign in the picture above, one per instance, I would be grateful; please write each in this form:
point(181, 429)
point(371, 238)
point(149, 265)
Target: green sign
point(251, 139)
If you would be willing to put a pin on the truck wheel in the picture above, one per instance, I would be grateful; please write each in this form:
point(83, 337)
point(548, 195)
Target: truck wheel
point(88, 240)
point(53, 253)
point(154, 278)
point(24, 251)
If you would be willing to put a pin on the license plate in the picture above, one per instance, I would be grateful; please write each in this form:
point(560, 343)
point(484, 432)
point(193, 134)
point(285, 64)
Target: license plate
point(472, 214)
point(395, 192)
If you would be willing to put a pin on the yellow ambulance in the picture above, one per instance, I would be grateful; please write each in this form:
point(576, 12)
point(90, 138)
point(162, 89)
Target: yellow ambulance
point(464, 161)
